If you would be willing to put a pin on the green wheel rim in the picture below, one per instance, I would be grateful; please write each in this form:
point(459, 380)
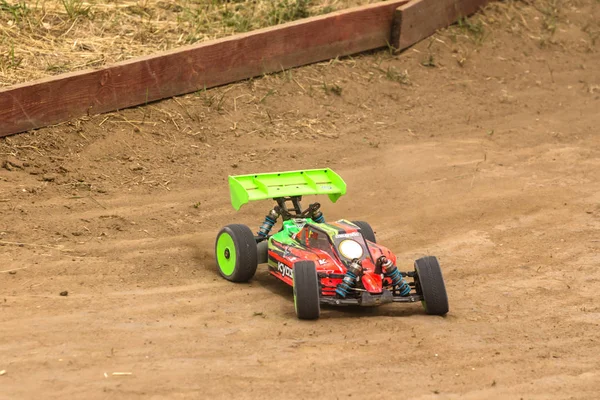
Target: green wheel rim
point(226, 256)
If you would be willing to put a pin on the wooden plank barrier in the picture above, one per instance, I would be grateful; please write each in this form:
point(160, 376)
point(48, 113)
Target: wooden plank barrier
point(419, 19)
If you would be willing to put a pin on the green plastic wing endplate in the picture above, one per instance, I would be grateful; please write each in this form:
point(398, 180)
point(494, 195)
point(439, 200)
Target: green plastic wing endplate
point(245, 188)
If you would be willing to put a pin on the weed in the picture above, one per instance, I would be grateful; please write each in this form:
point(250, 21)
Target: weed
point(285, 74)
point(473, 28)
point(551, 13)
point(10, 60)
point(393, 75)
point(240, 22)
point(141, 9)
point(57, 68)
point(391, 49)
point(593, 34)
point(194, 22)
point(19, 10)
point(287, 10)
point(329, 9)
point(220, 102)
point(269, 93)
point(429, 62)
point(206, 99)
point(335, 89)
point(76, 8)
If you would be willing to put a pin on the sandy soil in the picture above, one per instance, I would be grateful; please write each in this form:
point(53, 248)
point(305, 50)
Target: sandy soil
point(490, 160)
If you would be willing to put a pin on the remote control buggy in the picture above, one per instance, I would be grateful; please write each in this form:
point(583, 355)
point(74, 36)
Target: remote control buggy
point(337, 263)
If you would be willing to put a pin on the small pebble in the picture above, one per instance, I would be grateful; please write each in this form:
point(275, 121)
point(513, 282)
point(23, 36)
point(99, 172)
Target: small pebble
point(64, 293)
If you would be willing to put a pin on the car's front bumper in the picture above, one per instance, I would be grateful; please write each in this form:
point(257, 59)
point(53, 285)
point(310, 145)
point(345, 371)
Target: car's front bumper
point(367, 299)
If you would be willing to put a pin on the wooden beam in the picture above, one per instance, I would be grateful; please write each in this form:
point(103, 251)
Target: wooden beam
point(191, 68)
point(421, 18)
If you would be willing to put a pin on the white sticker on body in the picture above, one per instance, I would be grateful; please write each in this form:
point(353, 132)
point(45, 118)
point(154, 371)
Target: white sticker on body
point(284, 269)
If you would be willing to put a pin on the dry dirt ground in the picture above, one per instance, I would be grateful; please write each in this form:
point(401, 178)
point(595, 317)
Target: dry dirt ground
point(480, 146)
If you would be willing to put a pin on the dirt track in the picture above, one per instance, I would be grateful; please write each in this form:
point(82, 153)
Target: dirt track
point(493, 166)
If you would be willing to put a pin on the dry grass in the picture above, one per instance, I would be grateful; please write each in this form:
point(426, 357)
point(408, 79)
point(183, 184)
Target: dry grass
point(48, 37)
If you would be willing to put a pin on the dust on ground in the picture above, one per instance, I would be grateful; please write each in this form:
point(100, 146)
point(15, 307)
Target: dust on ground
point(479, 145)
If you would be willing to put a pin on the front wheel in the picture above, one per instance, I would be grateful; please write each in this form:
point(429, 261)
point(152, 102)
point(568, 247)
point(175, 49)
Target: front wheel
point(429, 283)
point(306, 290)
point(236, 253)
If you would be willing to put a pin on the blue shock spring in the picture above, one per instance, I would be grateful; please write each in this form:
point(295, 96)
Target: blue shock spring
point(397, 280)
point(319, 219)
point(346, 285)
point(265, 228)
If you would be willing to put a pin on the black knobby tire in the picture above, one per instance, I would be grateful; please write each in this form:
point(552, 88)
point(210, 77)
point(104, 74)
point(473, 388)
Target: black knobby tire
point(429, 283)
point(242, 246)
point(366, 230)
point(306, 290)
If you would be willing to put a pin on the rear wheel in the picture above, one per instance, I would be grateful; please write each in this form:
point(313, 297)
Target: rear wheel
point(236, 253)
point(366, 230)
point(429, 283)
point(306, 290)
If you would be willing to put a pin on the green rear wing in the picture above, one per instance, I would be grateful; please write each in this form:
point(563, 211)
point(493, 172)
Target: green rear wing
point(245, 188)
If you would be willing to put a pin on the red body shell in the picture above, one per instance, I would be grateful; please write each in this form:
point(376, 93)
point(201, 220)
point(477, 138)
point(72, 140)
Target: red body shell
point(283, 256)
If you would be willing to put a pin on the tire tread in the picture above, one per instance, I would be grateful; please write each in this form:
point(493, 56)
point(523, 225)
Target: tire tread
point(306, 290)
point(432, 285)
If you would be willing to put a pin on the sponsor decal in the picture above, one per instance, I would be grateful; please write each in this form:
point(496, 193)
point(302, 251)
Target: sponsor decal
point(323, 261)
point(287, 254)
point(284, 269)
point(347, 235)
point(326, 187)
